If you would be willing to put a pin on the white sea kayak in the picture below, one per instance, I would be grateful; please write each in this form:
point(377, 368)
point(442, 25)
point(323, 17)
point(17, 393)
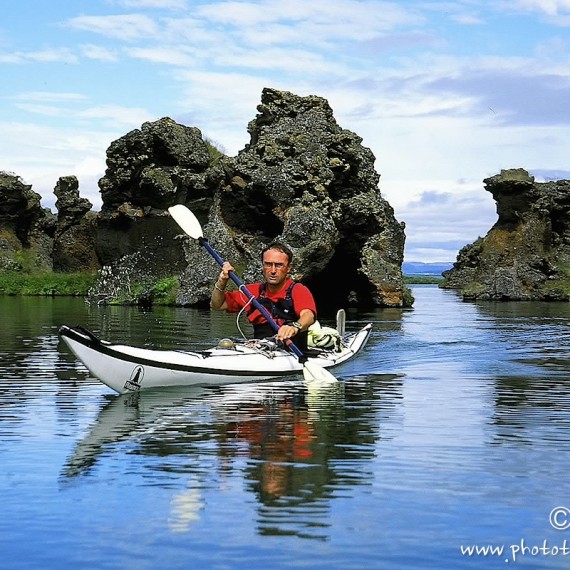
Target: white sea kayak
point(129, 369)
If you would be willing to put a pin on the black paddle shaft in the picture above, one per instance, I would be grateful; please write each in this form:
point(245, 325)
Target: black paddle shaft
point(206, 244)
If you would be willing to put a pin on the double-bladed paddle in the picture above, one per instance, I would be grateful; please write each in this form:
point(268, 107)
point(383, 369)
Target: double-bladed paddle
point(189, 223)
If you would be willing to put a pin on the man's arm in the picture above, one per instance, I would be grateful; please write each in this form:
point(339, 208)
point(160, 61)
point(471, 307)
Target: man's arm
point(306, 319)
point(218, 298)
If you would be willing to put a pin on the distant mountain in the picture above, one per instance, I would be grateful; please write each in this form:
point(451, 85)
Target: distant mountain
point(420, 268)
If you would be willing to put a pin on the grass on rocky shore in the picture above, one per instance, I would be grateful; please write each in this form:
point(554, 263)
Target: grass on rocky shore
point(422, 280)
point(161, 291)
point(46, 284)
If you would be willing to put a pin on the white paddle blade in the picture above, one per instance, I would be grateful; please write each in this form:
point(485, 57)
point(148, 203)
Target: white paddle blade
point(186, 220)
point(341, 321)
point(314, 373)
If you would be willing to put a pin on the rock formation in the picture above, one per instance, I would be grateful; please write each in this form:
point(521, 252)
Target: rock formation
point(526, 255)
point(75, 232)
point(26, 229)
point(304, 180)
point(148, 170)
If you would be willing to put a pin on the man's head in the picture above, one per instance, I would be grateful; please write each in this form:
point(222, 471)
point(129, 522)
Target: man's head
point(276, 259)
point(279, 246)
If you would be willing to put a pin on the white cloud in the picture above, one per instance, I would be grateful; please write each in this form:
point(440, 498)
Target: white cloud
point(545, 175)
point(206, 104)
point(324, 19)
point(117, 116)
point(446, 220)
point(64, 152)
point(124, 27)
point(468, 19)
point(550, 7)
point(46, 110)
point(99, 53)
point(53, 55)
point(48, 96)
point(165, 4)
point(176, 56)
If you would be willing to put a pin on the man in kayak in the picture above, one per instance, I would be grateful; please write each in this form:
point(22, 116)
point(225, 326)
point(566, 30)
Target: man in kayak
point(290, 303)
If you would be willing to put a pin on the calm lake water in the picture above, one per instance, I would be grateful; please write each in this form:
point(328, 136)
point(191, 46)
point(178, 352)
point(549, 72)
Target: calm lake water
point(449, 433)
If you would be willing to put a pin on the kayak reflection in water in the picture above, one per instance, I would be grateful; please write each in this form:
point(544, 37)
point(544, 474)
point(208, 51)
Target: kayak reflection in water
point(281, 437)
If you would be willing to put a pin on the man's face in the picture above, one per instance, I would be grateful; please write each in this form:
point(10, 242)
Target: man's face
point(275, 267)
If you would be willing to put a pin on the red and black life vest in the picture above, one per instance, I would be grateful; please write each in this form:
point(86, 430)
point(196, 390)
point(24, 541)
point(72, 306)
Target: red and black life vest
point(282, 311)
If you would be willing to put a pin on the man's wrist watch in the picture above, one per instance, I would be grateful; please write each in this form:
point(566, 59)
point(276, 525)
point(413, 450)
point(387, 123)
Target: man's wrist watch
point(297, 325)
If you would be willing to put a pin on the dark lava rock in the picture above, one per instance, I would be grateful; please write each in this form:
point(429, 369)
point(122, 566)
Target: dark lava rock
point(26, 229)
point(75, 234)
point(525, 256)
point(148, 170)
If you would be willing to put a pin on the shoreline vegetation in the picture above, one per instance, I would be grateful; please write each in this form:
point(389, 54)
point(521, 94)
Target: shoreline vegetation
point(161, 292)
point(423, 279)
point(46, 284)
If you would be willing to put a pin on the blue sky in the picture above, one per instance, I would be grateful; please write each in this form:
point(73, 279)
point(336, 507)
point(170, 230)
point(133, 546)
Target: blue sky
point(444, 93)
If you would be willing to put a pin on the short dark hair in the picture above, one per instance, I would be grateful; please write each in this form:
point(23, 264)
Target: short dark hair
point(279, 246)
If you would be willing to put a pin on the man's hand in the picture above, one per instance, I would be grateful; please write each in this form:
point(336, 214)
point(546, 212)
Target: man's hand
point(225, 273)
point(286, 332)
